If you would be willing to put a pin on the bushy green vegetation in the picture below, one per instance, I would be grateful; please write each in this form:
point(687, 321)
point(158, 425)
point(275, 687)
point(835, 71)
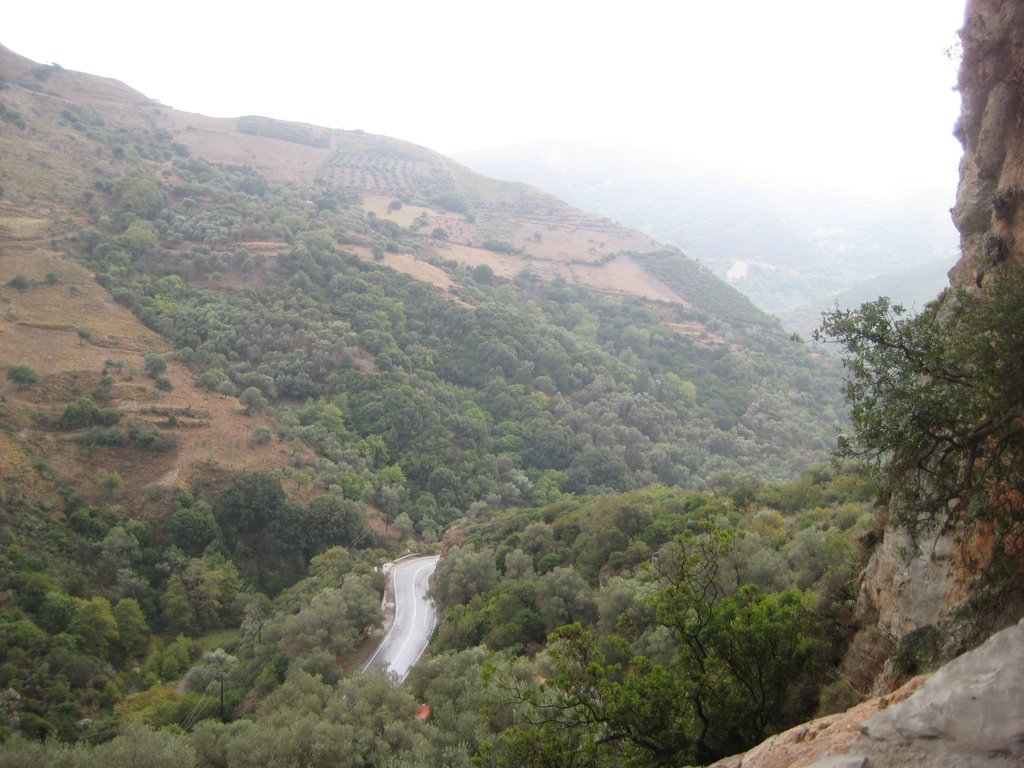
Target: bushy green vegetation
point(105, 610)
point(796, 535)
point(120, 627)
point(84, 413)
point(22, 376)
point(499, 246)
point(697, 285)
point(279, 129)
point(672, 626)
point(535, 390)
point(136, 434)
point(11, 116)
point(662, 626)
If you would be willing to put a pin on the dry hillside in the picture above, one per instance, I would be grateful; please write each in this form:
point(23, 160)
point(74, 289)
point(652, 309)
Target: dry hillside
point(63, 130)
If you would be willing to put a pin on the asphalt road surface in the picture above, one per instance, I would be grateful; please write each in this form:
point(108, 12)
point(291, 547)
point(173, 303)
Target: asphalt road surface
point(415, 618)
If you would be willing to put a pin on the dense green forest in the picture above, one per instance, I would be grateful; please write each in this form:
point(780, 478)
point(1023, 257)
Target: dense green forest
point(619, 629)
point(524, 390)
point(645, 561)
point(575, 451)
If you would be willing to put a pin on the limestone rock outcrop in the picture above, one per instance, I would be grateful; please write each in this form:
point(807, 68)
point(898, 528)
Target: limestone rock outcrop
point(903, 590)
point(969, 714)
point(907, 588)
point(973, 706)
point(991, 83)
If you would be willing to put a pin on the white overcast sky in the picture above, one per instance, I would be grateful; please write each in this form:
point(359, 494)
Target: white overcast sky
point(803, 89)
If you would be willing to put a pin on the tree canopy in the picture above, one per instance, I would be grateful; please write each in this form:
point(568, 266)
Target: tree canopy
point(22, 376)
point(937, 402)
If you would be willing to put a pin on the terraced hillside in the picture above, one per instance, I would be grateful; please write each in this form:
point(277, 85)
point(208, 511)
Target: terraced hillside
point(100, 181)
point(246, 360)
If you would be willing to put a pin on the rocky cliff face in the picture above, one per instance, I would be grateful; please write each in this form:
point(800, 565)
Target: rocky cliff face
point(903, 594)
point(988, 203)
point(900, 594)
point(970, 713)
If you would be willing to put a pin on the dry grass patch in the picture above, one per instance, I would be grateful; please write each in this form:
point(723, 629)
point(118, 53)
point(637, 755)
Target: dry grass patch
point(459, 230)
point(623, 276)
point(403, 217)
point(408, 264)
point(579, 239)
point(19, 478)
point(504, 264)
point(218, 140)
point(22, 227)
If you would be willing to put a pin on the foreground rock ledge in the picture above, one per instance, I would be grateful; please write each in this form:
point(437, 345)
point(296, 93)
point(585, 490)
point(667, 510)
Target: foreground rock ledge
point(969, 714)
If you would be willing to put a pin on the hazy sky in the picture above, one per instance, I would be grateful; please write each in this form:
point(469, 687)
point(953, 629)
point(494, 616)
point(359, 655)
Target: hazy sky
point(803, 89)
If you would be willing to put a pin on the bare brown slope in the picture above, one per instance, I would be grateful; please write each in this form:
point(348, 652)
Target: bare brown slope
point(63, 133)
point(65, 332)
point(548, 237)
point(64, 326)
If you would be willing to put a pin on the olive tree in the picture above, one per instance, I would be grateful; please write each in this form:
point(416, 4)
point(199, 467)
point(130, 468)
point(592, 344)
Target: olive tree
point(938, 407)
point(22, 376)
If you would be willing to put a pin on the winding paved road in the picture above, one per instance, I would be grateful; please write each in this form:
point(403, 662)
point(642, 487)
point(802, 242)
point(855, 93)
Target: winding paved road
point(415, 619)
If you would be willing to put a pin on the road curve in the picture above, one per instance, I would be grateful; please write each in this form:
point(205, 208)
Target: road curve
point(414, 622)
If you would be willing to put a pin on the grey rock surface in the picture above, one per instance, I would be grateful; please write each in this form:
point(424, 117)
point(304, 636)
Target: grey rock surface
point(969, 714)
point(972, 706)
point(842, 761)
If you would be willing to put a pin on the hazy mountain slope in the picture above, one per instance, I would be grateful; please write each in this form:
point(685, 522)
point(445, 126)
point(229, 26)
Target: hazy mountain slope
point(253, 256)
point(913, 287)
point(781, 247)
point(519, 354)
point(68, 329)
point(522, 349)
point(545, 235)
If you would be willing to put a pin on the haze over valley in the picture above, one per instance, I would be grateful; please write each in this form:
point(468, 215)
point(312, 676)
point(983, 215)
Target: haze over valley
point(794, 250)
point(330, 437)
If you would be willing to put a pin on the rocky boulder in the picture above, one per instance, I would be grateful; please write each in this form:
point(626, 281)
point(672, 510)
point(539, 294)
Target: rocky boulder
point(971, 709)
point(969, 714)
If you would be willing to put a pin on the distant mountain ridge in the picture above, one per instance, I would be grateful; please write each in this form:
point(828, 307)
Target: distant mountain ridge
point(782, 248)
point(180, 214)
point(581, 248)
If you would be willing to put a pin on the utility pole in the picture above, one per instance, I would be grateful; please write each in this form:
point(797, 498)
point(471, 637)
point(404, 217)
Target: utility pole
point(220, 676)
point(221, 660)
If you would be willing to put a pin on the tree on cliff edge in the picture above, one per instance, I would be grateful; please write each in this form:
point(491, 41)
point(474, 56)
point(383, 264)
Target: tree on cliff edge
point(937, 402)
